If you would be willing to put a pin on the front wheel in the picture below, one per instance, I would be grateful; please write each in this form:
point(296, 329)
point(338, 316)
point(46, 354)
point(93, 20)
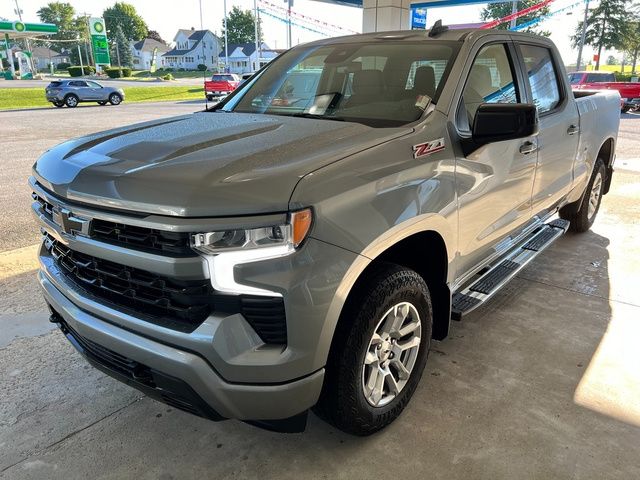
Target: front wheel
point(582, 220)
point(379, 352)
point(115, 99)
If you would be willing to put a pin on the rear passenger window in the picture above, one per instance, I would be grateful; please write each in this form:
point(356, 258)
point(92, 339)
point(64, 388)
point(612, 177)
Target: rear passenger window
point(542, 77)
point(490, 81)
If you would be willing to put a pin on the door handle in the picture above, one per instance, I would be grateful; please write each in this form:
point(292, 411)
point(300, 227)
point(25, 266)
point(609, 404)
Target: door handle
point(528, 147)
point(573, 129)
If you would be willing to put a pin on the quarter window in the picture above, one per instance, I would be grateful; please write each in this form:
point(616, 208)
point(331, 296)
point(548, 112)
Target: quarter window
point(542, 77)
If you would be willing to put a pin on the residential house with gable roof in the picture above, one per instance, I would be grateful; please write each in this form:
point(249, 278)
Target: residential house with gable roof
point(191, 48)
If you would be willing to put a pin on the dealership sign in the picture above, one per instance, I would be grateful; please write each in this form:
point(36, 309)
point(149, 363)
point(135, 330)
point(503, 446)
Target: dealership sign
point(418, 18)
point(99, 42)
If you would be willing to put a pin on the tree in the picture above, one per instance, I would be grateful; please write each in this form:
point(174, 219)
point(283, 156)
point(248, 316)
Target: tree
point(607, 27)
point(495, 11)
point(63, 16)
point(611, 60)
point(120, 49)
point(631, 43)
point(125, 16)
point(156, 36)
point(241, 26)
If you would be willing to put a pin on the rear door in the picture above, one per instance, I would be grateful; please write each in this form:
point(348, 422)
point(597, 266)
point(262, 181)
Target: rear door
point(494, 182)
point(559, 126)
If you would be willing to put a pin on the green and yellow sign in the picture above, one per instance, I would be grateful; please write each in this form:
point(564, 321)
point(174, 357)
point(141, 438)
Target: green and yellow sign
point(99, 41)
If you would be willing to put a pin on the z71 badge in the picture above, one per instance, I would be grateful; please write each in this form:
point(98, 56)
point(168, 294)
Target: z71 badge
point(427, 148)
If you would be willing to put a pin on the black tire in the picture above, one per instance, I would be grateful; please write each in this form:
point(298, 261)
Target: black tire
point(581, 220)
point(115, 99)
point(58, 104)
point(102, 103)
point(342, 401)
point(71, 100)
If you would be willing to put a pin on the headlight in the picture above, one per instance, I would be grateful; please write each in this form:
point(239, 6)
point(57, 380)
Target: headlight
point(291, 235)
point(225, 249)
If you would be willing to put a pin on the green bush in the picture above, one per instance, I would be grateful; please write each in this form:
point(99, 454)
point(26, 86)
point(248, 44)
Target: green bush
point(62, 66)
point(202, 67)
point(168, 76)
point(182, 69)
point(77, 71)
point(625, 77)
point(118, 72)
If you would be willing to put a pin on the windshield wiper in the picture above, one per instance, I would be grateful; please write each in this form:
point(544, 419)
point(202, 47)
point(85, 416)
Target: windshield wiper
point(312, 115)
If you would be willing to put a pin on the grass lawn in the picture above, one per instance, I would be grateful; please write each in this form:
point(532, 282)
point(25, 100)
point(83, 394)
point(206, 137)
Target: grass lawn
point(11, 98)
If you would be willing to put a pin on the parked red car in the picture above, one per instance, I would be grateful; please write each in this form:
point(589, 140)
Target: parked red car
point(629, 91)
point(221, 84)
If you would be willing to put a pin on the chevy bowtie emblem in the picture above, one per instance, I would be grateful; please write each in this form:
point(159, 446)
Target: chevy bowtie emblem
point(70, 223)
point(427, 148)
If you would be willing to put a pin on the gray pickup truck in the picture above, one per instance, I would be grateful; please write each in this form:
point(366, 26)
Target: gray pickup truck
point(301, 243)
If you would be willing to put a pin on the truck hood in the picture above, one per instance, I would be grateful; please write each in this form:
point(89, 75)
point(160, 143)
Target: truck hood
point(202, 164)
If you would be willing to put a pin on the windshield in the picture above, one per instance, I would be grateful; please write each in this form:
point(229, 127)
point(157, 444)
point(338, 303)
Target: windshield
point(378, 84)
point(222, 78)
point(575, 78)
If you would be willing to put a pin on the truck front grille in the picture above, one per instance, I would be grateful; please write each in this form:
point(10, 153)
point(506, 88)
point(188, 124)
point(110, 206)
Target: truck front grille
point(182, 305)
point(131, 236)
point(177, 304)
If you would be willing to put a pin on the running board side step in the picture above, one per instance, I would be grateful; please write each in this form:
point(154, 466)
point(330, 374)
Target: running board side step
point(494, 278)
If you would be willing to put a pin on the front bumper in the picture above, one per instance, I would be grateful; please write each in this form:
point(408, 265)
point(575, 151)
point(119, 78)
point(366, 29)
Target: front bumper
point(220, 399)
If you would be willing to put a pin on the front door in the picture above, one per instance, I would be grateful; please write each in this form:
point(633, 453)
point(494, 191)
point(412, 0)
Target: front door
point(494, 182)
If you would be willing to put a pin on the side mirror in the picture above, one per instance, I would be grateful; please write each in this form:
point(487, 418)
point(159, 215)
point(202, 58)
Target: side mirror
point(495, 122)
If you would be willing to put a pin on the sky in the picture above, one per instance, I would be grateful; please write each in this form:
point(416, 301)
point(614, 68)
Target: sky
point(167, 17)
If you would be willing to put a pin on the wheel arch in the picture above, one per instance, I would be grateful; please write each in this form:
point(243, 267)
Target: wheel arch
point(433, 266)
point(607, 154)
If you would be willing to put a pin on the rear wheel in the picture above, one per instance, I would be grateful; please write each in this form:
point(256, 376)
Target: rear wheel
point(583, 218)
point(379, 352)
point(115, 99)
point(71, 101)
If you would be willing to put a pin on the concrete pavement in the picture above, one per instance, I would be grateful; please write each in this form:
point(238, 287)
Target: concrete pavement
point(540, 383)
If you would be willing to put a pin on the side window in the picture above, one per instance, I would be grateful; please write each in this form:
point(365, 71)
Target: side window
point(490, 81)
point(542, 77)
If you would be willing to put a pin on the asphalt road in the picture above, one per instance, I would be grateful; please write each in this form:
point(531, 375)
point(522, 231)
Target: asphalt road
point(540, 383)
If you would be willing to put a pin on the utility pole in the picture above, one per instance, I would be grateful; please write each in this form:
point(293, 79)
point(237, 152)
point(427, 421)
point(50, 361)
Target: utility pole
point(80, 57)
point(290, 4)
point(27, 44)
point(582, 35)
point(201, 24)
point(257, 38)
point(514, 9)
point(86, 17)
point(226, 39)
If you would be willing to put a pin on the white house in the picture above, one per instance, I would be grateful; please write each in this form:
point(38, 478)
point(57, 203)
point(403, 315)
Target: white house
point(193, 47)
point(243, 57)
point(142, 53)
point(43, 56)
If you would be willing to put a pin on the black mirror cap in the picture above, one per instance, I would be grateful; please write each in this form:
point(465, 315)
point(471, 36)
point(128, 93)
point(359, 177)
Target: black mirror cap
point(496, 122)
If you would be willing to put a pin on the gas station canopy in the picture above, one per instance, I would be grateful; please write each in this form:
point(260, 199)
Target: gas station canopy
point(22, 30)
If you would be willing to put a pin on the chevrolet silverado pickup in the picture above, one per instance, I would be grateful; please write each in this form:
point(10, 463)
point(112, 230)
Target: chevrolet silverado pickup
point(629, 91)
point(221, 84)
point(263, 258)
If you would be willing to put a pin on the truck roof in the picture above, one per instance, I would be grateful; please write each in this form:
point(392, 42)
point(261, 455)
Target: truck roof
point(417, 35)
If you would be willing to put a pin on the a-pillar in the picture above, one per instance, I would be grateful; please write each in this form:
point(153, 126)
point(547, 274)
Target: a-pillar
point(385, 15)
